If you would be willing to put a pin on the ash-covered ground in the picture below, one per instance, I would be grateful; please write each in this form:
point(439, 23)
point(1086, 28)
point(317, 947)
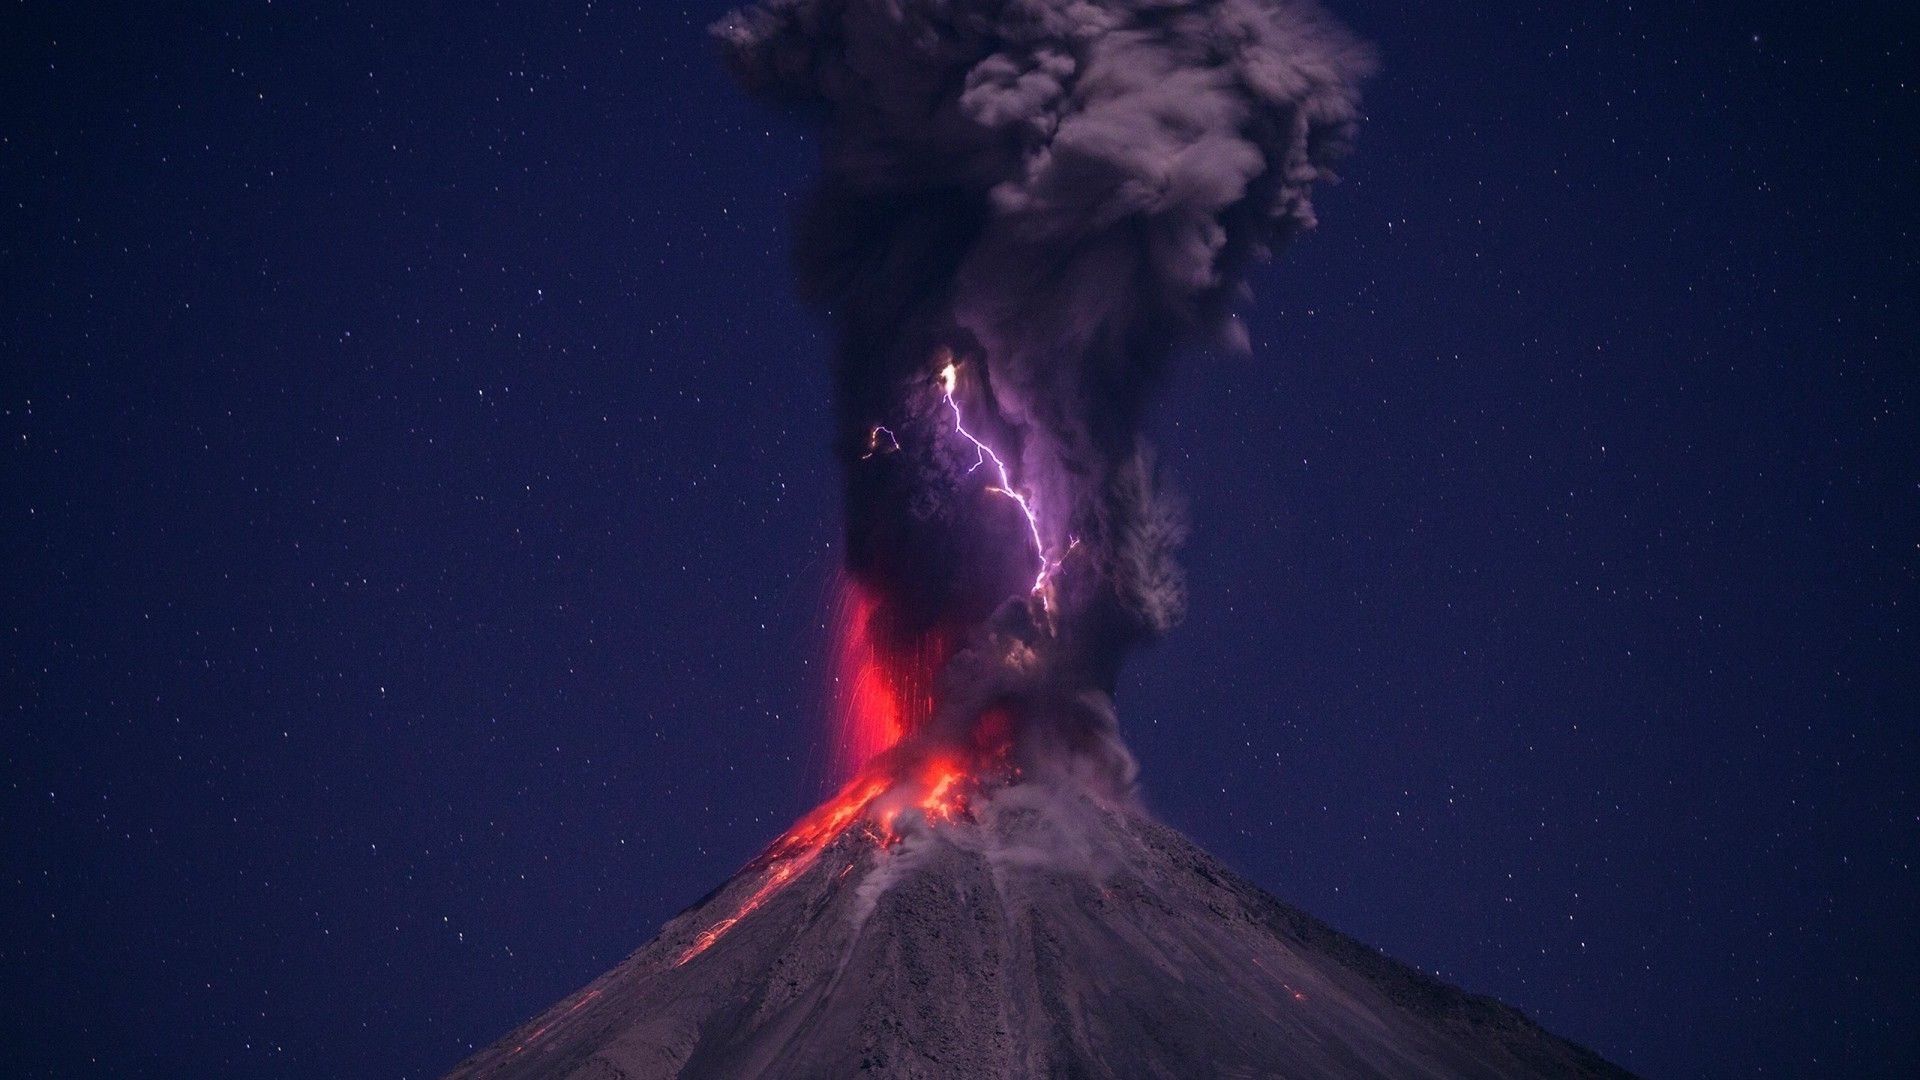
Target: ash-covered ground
point(1038, 932)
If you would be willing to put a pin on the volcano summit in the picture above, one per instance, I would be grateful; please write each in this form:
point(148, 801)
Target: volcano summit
point(1030, 929)
point(1025, 209)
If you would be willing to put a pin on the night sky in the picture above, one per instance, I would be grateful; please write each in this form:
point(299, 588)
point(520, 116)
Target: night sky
point(419, 521)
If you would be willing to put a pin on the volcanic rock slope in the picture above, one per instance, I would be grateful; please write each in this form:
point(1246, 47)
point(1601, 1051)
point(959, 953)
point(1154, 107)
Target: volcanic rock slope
point(1043, 935)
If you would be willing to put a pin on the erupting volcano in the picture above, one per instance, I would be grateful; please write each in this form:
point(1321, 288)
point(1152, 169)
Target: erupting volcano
point(1026, 208)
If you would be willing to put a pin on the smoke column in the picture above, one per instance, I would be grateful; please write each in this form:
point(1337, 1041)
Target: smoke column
point(1025, 208)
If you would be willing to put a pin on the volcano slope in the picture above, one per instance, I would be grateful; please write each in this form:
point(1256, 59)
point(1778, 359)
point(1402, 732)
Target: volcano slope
point(1037, 932)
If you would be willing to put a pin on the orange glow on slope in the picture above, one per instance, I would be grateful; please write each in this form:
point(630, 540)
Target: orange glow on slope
point(1291, 992)
point(938, 801)
point(943, 785)
point(877, 698)
point(938, 787)
point(796, 851)
point(544, 1028)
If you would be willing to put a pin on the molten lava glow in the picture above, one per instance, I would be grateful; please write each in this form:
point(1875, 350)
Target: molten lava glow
point(941, 789)
point(1291, 992)
point(938, 787)
point(544, 1028)
point(883, 692)
point(940, 801)
point(795, 852)
point(867, 710)
point(878, 696)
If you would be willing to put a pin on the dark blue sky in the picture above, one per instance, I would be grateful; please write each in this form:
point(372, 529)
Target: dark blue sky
point(418, 519)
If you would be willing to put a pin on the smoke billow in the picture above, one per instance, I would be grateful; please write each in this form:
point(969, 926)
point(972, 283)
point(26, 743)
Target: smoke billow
point(1055, 195)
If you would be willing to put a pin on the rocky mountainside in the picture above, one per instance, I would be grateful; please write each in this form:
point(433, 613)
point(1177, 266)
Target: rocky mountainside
point(1039, 933)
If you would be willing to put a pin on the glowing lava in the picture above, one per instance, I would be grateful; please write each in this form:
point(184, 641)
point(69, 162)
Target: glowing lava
point(884, 691)
point(942, 788)
point(878, 696)
point(797, 850)
point(585, 1000)
point(939, 788)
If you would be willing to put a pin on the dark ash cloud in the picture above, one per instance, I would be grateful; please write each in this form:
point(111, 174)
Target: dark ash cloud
point(1062, 193)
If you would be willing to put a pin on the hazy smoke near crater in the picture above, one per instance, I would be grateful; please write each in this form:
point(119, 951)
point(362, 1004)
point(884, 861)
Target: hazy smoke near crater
point(1054, 196)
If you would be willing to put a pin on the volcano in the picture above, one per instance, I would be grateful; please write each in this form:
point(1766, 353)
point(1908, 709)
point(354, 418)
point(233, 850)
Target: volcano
point(1025, 210)
point(1031, 929)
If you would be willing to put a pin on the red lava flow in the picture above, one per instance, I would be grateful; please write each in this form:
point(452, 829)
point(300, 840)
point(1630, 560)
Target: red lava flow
point(544, 1028)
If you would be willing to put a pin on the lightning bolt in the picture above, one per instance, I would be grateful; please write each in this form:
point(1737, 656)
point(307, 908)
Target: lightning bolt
point(873, 442)
point(984, 454)
point(949, 379)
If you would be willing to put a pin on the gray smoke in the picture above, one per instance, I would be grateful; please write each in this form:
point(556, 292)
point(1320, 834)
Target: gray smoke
point(1062, 193)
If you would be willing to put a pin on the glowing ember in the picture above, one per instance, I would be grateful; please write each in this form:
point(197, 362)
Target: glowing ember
point(881, 697)
point(938, 787)
point(945, 800)
point(796, 851)
point(867, 710)
point(878, 697)
point(1296, 995)
point(544, 1028)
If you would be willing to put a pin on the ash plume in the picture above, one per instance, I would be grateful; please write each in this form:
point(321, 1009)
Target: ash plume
point(1025, 209)
point(1055, 196)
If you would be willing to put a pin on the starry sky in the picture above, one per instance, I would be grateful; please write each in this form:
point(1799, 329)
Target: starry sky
point(419, 526)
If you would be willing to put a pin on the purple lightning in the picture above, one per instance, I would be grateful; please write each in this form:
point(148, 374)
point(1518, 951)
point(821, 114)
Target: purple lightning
point(949, 378)
point(873, 442)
